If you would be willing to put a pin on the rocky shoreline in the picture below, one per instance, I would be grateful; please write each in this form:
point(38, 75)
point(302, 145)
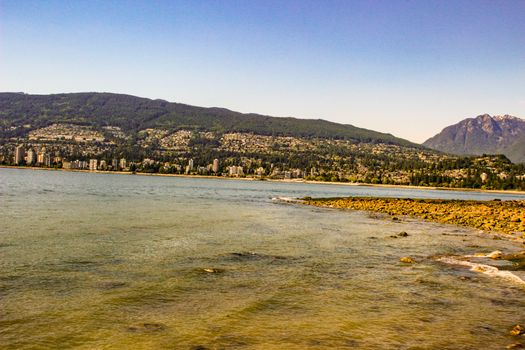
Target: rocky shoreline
point(496, 216)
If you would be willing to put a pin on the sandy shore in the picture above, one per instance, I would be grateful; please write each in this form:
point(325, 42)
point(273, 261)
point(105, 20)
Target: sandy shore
point(271, 180)
point(497, 216)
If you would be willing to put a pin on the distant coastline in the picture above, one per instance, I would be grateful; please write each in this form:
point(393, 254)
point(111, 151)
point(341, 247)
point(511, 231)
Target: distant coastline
point(269, 180)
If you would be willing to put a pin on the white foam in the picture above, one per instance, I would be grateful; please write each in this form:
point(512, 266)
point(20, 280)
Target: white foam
point(284, 199)
point(493, 255)
point(485, 269)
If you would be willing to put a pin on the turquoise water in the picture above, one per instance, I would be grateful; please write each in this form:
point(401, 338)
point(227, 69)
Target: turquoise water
point(101, 261)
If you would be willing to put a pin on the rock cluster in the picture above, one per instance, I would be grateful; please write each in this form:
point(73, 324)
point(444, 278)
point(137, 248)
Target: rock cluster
point(499, 216)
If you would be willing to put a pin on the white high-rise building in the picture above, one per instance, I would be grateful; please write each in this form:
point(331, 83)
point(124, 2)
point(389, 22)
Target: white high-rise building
point(236, 171)
point(93, 164)
point(40, 158)
point(215, 166)
point(20, 152)
point(47, 160)
point(31, 157)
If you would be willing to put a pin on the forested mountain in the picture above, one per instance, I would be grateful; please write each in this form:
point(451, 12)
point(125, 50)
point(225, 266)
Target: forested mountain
point(110, 132)
point(134, 113)
point(483, 135)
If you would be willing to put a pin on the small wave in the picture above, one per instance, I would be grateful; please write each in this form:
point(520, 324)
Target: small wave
point(284, 199)
point(482, 268)
point(493, 255)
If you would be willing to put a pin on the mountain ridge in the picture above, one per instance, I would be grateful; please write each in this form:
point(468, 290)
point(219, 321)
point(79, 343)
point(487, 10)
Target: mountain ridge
point(136, 113)
point(484, 134)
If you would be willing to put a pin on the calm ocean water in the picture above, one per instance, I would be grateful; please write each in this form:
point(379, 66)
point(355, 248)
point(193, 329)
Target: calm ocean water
point(101, 261)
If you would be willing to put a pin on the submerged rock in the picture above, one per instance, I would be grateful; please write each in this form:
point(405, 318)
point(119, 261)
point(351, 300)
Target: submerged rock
point(407, 260)
point(147, 327)
point(253, 256)
point(515, 346)
point(212, 270)
point(111, 285)
point(400, 234)
point(514, 256)
point(482, 268)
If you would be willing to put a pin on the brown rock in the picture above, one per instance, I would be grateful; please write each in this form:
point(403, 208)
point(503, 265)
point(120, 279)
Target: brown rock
point(517, 330)
point(407, 260)
point(495, 255)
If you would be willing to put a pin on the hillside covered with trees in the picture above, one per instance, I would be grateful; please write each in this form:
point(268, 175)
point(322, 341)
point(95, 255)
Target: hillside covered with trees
point(102, 131)
point(133, 114)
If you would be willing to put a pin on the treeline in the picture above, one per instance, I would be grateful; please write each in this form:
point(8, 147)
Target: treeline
point(486, 172)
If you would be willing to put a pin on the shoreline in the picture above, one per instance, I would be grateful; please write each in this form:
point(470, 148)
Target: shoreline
point(506, 217)
point(270, 180)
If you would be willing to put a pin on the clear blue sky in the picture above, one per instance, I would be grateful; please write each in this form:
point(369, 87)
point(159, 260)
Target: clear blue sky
point(405, 67)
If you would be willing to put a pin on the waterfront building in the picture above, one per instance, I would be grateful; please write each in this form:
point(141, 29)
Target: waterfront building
point(201, 170)
point(215, 166)
point(47, 160)
point(260, 171)
point(41, 157)
point(31, 157)
point(297, 173)
point(20, 152)
point(189, 167)
point(93, 164)
point(103, 165)
point(235, 171)
point(122, 163)
point(76, 164)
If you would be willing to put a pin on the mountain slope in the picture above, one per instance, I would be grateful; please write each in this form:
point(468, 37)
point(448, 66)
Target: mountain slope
point(483, 135)
point(134, 113)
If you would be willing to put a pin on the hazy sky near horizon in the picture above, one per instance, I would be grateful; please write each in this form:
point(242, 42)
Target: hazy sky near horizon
point(409, 68)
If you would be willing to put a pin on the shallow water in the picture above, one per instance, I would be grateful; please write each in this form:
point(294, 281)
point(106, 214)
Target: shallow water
point(98, 261)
